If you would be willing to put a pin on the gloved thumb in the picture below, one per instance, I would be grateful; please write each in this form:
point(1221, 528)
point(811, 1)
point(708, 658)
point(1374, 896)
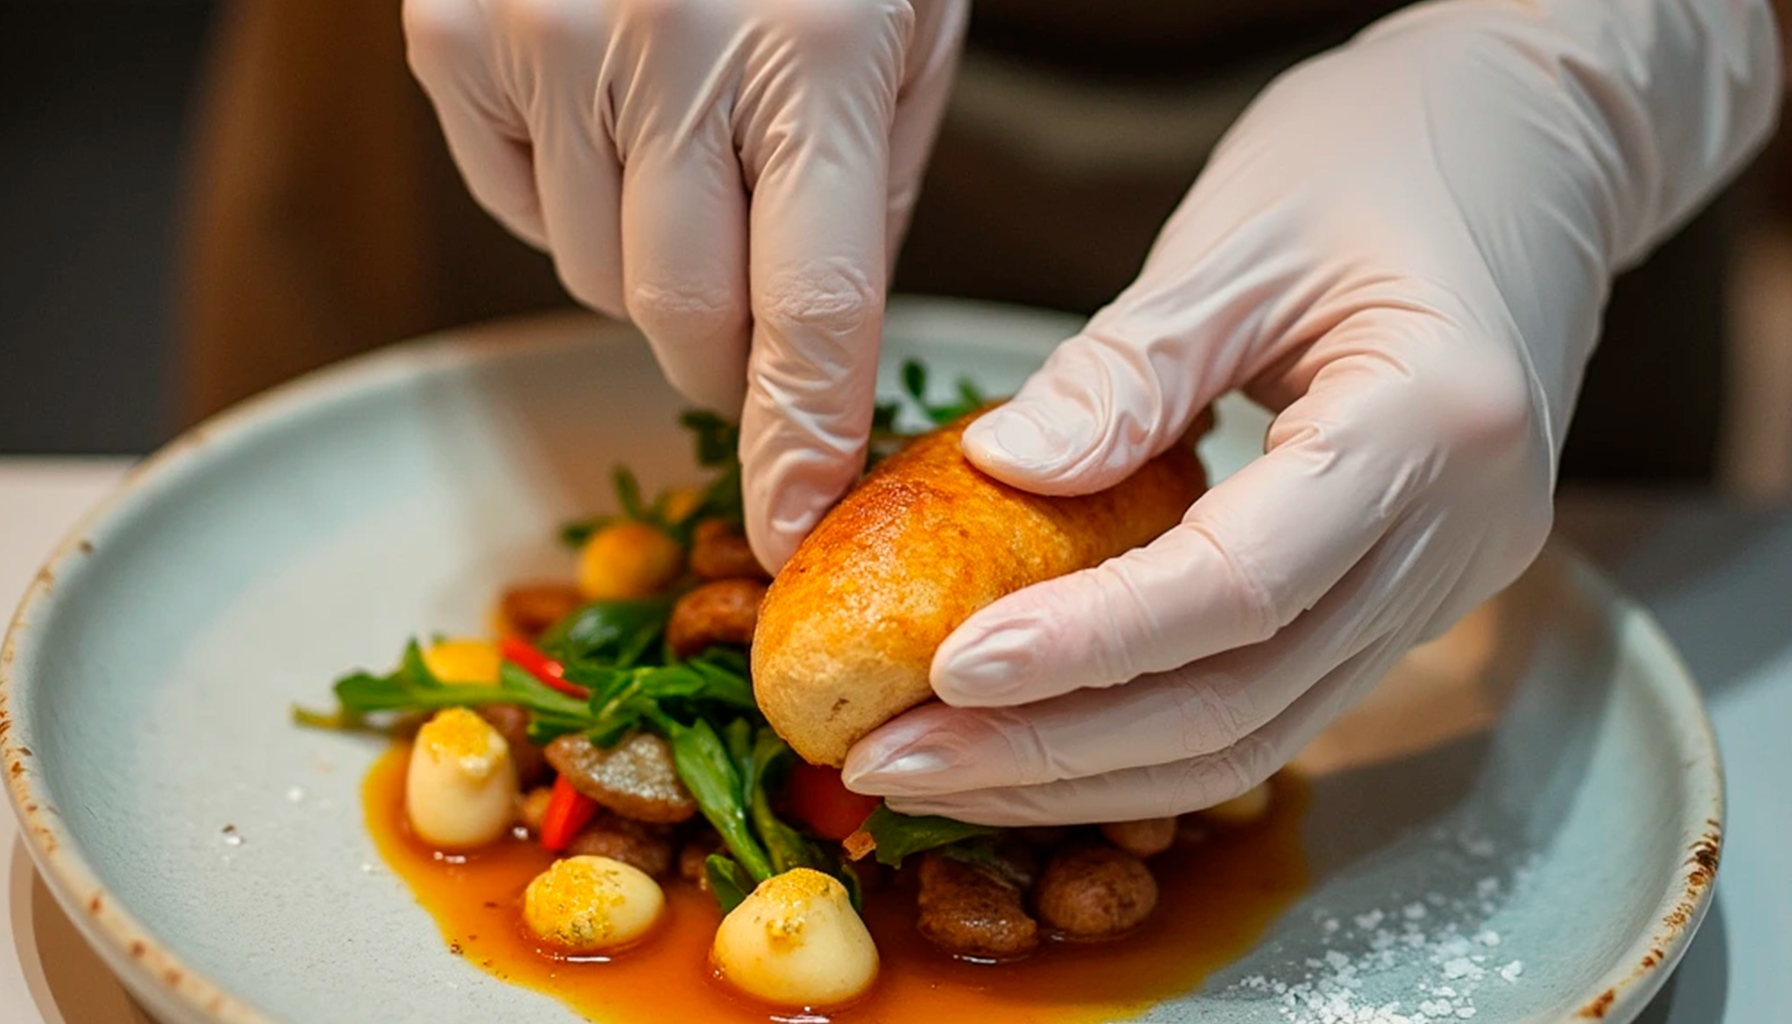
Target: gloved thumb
point(1106, 402)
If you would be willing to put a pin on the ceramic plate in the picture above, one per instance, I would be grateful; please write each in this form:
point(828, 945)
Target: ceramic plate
point(1519, 825)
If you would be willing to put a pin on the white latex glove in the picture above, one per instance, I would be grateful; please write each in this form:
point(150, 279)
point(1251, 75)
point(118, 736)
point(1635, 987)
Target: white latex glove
point(1403, 248)
point(732, 175)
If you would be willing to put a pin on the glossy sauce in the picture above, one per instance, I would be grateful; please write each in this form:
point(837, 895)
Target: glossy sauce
point(1217, 898)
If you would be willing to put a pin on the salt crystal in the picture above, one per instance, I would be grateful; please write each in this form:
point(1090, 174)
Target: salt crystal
point(1461, 967)
point(295, 795)
point(1488, 937)
point(1452, 948)
point(1511, 971)
point(1465, 1012)
point(1413, 911)
point(1370, 921)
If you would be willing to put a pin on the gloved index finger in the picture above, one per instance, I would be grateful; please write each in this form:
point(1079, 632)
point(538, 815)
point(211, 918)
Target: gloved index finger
point(816, 278)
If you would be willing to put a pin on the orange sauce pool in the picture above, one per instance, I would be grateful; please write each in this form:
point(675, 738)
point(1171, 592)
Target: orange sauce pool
point(1216, 899)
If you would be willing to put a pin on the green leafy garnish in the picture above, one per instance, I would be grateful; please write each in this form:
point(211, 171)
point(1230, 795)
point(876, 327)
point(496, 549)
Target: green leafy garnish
point(628, 493)
point(709, 773)
point(718, 440)
point(728, 880)
point(577, 532)
point(899, 835)
point(617, 631)
point(914, 382)
point(412, 688)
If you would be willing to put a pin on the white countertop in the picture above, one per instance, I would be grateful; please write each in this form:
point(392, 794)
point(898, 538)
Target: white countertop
point(1719, 579)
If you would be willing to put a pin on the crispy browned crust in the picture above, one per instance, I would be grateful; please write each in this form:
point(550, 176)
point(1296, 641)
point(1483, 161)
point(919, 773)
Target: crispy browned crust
point(848, 630)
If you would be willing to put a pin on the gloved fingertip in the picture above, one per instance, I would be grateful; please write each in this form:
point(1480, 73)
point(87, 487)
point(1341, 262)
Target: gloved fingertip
point(1025, 443)
point(905, 756)
point(771, 536)
point(983, 666)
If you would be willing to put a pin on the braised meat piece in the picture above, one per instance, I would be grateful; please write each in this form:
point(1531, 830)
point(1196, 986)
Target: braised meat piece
point(636, 778)
point(1095, 892)
point(973, 911)
point(636, 843)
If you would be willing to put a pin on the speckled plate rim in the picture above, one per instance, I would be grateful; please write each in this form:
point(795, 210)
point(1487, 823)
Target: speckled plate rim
point(170, 989)
point(1640, 970)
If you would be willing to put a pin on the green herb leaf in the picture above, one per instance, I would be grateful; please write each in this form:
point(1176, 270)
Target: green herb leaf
point(723, 683)
point(574, 534)
point(727, 880)
point(914, 380)
point(855, 890)
point(718, 441)
point(709, 773)
point(737, 736)
point(319, 719)
point(618, 631)
point(900, 835)
point(883, 417)
point(787, 847)
point(628, 494)
point(518, 686)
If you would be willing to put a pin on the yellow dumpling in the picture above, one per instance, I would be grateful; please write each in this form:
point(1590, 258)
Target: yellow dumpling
point(628, 559)
point(587, 905)
point(463, 661)
point(795, 941)
point(460, 787)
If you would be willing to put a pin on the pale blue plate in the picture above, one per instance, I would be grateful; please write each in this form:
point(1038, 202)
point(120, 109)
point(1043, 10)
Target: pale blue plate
point(1520, 824)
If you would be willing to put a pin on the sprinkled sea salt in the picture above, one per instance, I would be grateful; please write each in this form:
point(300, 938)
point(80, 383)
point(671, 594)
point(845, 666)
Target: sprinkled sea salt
point(1435, 946)
point(295, 795)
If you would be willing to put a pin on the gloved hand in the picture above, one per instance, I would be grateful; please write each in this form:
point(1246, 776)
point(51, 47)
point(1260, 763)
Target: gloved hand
point(732, 175)
point(1403, 248)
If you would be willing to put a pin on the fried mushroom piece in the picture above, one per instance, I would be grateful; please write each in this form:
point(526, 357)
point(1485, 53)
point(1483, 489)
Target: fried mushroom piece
point(512, 723)
point(718, 612)
point(972, 911)
point(1146, 837)
point(1095, 892)
point(636, 778)
point(529, 609)
point(635, 843)
point(719, 551)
